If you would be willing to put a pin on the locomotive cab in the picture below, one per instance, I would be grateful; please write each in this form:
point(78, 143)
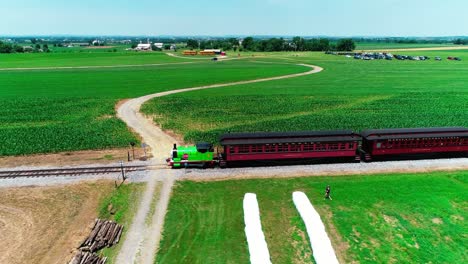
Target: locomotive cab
point(200, 155)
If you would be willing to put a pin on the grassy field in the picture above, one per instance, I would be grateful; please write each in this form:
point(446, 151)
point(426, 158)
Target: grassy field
point(73, 109)
point(379, 45)
point(399, 218)
point(348, 94)
point(89, 57)
point(123, 203)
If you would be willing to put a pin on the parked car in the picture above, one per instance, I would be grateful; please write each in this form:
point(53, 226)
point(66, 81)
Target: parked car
point(450, 58)
point(437, 58)
point(457, 59)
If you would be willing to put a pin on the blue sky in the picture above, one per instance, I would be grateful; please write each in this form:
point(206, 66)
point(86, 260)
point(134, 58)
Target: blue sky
point(235, 17)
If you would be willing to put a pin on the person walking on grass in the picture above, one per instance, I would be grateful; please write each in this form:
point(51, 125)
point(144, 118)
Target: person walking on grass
point(327, 192)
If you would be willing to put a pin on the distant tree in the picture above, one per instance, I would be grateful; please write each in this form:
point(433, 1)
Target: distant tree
point(233, 43)
point(33, 41)
point(45, 48)
point(299, 44)
point(275, 44)
point(203, 45)
point(167, 46)
point(460, 41)
point(192, 44)
point(134, 45)
point(324, 44)
point(37, 47)
point(5, 48)
point(248, 43)
point(345, 45)
point(19, 49)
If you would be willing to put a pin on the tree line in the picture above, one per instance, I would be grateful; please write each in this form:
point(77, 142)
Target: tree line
point(14, 48)
point(461, 41)
point(273, 44)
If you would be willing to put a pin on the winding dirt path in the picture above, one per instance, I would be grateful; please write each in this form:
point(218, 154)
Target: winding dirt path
point(142, 241)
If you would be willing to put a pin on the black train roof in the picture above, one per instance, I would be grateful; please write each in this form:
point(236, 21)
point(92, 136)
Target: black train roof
point(287, 137)
point(414, 132)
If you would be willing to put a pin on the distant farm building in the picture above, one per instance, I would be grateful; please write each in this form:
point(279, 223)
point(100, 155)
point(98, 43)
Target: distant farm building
point(159, 45)
point(208, 52)
point(97, 42)
point(190, 52)
point(143, 46)
point(78, 44)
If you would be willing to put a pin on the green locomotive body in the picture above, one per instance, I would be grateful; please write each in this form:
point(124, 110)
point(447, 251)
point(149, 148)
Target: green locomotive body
point(200, 155)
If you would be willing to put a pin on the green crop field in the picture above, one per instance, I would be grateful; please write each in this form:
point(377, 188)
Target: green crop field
point(89, 57)
point(398, 218)
point(348, 94)
point(52, 110)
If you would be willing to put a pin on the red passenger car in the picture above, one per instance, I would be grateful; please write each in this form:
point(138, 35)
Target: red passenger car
point(278, 146)
point(386, 142)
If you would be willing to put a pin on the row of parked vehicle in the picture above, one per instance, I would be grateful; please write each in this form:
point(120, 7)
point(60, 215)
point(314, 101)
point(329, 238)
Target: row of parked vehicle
point(387, 56)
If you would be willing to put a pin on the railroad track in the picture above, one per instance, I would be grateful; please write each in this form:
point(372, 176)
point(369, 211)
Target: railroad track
point(70, 171)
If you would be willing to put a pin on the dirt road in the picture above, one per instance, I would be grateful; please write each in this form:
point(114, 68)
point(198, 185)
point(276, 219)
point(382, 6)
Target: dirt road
point(141, 244)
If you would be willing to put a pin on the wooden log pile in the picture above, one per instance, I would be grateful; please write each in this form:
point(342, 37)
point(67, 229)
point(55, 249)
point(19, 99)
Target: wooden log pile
point(104, 234)
point(83, 257)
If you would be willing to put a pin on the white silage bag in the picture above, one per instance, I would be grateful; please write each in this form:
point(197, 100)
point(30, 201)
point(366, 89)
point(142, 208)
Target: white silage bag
point(321, 245)
point(258, 248)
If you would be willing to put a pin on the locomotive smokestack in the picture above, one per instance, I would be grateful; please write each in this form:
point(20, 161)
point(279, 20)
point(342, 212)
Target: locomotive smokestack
point(175, 146)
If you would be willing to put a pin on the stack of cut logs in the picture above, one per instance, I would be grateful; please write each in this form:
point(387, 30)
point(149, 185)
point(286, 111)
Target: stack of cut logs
point(103, 234)
point(87, 258)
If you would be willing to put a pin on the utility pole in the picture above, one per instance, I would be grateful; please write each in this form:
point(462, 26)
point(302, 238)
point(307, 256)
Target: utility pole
point(122, 169)
point(133, 149)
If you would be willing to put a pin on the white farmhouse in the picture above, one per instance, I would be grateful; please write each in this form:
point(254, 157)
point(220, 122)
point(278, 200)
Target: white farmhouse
point(143, 46)
point(159, 45)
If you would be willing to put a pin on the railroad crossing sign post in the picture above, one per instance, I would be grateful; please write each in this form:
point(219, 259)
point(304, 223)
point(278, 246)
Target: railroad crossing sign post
point(133, 149)
point(143, 145)
point(122, 169)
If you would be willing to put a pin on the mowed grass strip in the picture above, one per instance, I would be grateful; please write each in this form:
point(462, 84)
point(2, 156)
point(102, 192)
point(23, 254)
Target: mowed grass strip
point(348, 94)
point(120, 206)
point(74, 109)
point(400, 218)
